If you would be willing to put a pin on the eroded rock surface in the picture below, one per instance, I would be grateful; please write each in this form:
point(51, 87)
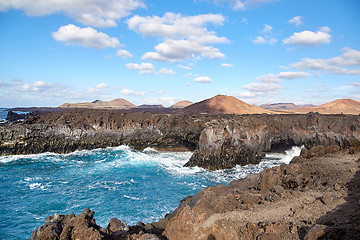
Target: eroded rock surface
point(218, 141)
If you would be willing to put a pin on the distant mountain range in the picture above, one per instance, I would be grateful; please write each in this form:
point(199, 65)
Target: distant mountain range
point(98, 104)
point(284, 106)
point(222, 104)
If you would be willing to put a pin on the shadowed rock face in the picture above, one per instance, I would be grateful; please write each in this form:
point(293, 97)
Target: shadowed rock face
point(218, 141)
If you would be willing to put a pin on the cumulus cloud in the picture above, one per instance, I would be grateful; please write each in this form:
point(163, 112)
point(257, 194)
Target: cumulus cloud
point(184, 37)
point(100, 13)
point(296, 21)
point(203, 80)
point(166, 101)
point(86, 37)
point(102, 85)
point(259, 40)
point(267, 38)
point(166, 71)
point(309, 38)
point(129, 92)
point(267, 29)
point(293, 75)
point(335, 65)
point(124, 53)
point(143, 68)
point(227, 65)
point(184, 67)
point(264, 86)
point(242, 4)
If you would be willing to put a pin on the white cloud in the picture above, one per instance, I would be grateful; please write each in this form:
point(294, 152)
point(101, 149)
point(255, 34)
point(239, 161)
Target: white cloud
point(124, 54)
point(242, 4)
point(268, 78)
point(86, 37)
point(203, 80)
point(102, 85)
point(166, 71)
point(129, 92)
point(296, 20)
point(99, 13)
point(308, 38)
point(267, 38)
point(267, 29)
point(259, 40)
point(335, 65)
point(293, 75)
point(227, 65)
point(184, 67)
point(166, 101)
point(184, 37)
point(143, 68)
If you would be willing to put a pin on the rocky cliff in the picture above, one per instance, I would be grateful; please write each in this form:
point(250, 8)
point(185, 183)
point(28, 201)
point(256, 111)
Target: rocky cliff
point(218, 141)
point(316, 196)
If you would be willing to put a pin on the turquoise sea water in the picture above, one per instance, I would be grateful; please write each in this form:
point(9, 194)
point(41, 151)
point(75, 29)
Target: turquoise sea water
point(114, 182)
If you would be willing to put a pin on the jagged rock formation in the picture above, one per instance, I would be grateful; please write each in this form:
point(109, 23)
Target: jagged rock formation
point(218, 141)
point(224, 105)
point(243, 139)
point(84, 227)
point(314, 197)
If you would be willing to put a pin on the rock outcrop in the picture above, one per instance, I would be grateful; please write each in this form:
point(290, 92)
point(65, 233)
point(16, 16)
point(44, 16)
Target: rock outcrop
point(316, 196)
point(218, 141)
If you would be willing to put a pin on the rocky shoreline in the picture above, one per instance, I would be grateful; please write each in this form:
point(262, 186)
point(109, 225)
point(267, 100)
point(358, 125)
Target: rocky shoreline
point(218, 141)
point(316, 196)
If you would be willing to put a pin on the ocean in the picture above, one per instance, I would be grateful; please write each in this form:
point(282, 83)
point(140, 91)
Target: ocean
point(114, 182)
point(3, 114)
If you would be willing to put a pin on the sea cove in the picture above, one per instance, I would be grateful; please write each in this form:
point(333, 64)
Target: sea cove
point(135, 186)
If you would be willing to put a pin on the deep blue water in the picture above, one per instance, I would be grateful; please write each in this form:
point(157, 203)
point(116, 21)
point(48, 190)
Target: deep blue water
point(114, 182)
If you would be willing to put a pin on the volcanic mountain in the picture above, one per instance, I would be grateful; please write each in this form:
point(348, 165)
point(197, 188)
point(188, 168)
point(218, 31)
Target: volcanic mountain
point(224, 104)
point(340, 106)
point(98, 104)
point(181, 104)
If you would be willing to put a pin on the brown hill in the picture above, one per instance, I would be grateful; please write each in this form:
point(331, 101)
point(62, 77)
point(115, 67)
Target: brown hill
point(340, 106)
point(181, 104)
point(224, 104)
point(98, 104)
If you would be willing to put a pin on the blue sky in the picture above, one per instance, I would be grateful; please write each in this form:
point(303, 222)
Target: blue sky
point(161, 52)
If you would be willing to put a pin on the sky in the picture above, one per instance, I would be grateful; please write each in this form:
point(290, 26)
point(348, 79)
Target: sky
point(162, 52)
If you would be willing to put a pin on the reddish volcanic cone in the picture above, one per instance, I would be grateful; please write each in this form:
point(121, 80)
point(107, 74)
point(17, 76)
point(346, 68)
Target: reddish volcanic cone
point(224, 104)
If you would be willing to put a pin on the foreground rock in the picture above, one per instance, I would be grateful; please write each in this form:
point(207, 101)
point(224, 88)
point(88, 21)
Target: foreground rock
point(314, 197)
point(218, 141)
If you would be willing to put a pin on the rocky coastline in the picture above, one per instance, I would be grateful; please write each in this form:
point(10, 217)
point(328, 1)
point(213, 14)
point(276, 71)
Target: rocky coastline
point(217, 141)
point(316, 196)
